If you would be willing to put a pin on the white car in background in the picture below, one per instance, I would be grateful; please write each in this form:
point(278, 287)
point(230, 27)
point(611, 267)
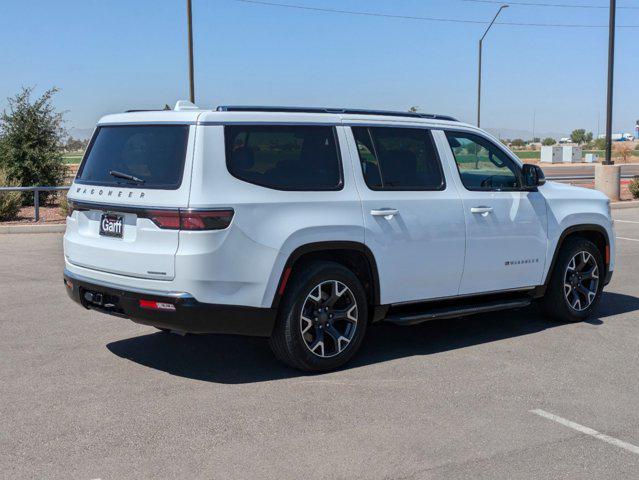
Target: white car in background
point(306, 225)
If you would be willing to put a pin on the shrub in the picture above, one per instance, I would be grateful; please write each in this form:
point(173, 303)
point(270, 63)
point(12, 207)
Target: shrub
point(624, 150)
point(31, 135)
point(600, 144)
point(634, 187)
point(10, 202)
point(64, 204)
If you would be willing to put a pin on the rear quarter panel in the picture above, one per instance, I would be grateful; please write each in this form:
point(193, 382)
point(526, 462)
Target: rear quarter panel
point(242, 265)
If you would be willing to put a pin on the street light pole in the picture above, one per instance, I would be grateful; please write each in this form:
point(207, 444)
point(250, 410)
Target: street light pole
point(190, 28)
point(481, 42)
point(611, 66)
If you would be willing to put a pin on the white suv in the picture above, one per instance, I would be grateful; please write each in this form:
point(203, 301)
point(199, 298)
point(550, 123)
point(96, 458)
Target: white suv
point(305, 225)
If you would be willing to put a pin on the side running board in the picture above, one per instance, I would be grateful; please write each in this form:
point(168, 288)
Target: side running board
point(437, 313)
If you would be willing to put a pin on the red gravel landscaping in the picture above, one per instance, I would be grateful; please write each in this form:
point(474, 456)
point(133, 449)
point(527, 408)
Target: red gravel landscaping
point(50, 215)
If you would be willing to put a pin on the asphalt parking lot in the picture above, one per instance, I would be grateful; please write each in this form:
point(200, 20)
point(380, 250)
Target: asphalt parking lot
point(503, 395)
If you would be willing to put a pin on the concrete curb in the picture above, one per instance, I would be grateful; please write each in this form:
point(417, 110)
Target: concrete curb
point(626, 204)
point(11, 229)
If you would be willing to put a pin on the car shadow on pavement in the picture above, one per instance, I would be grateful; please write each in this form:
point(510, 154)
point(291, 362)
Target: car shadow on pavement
point(235, 360)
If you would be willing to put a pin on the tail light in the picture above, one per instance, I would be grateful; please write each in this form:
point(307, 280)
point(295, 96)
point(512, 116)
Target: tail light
point(205, 219)
point(192, 220)
point(169, 219)
point(73, 206)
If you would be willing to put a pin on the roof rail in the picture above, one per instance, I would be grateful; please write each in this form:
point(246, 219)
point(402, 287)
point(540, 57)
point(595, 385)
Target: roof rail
point(143, 110)
point(352, 111)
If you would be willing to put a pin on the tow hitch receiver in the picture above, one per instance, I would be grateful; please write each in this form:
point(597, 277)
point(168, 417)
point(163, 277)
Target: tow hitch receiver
point(94, 298)
point(98, 300)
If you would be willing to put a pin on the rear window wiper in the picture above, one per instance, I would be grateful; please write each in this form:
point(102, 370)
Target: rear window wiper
point(126, 176)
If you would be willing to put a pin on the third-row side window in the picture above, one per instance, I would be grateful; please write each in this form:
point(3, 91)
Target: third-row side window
point(284, 157)
point(398, 158)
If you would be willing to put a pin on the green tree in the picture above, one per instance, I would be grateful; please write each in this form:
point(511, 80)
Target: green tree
point(600, 144)
point(75, 145)
point(580, 136)
point(31, 139)
point(413, 109)
point(548, 141)
point(518, 142)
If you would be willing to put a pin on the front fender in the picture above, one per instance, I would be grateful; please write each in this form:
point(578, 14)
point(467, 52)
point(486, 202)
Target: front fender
point(577, 222)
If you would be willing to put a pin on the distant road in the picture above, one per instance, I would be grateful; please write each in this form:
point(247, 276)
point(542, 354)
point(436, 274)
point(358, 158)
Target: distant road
point(556, 171)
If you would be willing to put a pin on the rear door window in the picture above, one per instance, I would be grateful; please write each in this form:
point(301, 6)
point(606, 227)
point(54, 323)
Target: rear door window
point(284, 157)
point(398, 158)
point(143, 156)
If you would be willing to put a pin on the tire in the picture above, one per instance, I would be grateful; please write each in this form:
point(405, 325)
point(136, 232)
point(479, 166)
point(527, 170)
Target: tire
point(563, 286)
point(307, 323)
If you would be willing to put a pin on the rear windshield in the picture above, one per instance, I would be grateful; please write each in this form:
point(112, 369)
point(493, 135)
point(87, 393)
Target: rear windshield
point(143, 156)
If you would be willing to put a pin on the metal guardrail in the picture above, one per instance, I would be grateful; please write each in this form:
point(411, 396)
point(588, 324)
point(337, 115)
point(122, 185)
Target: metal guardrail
point(36, 195)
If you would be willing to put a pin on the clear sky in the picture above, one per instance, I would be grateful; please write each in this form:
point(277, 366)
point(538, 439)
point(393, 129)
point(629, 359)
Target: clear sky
point(111, 55)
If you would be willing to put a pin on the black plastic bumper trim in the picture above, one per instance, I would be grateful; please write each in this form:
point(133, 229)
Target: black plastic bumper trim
point(189, 316)
point(608, 277)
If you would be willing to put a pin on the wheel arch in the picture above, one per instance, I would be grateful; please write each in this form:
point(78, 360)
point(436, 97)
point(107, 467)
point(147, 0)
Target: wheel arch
point(353, 255)
point(597, 234)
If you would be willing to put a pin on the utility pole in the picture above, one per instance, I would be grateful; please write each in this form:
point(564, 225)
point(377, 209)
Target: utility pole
point(189, 16)
point(481, 42)
point(611, 67)
point(607, 174)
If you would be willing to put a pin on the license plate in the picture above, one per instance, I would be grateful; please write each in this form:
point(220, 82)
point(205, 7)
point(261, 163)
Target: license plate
point(112, 225)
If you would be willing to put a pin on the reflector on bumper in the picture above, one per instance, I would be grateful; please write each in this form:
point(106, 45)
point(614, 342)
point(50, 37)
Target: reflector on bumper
point(153, 305)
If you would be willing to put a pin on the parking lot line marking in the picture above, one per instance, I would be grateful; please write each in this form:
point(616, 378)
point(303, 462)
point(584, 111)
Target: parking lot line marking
point(626, 238)
point(626, 221)
point(588, 431)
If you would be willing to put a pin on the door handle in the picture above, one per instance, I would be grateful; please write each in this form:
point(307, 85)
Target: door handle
point(387, 213)
point(483, 211)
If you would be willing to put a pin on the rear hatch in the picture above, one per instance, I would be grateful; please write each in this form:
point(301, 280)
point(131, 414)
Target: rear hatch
point(125, 200)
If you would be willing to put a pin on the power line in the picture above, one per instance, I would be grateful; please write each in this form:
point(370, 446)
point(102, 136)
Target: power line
point(428, 19)
point(558, 5)
point(354, 12)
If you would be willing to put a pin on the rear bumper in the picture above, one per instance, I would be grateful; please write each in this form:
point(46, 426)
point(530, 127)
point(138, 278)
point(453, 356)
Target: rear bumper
point(188, 315)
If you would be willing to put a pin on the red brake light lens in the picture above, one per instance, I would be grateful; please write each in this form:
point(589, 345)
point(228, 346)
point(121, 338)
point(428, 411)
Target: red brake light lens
point(191, 220)
point(169, 219)
point(205, 220)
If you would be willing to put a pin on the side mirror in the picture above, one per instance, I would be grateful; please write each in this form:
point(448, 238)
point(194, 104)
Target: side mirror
point(533, 176)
